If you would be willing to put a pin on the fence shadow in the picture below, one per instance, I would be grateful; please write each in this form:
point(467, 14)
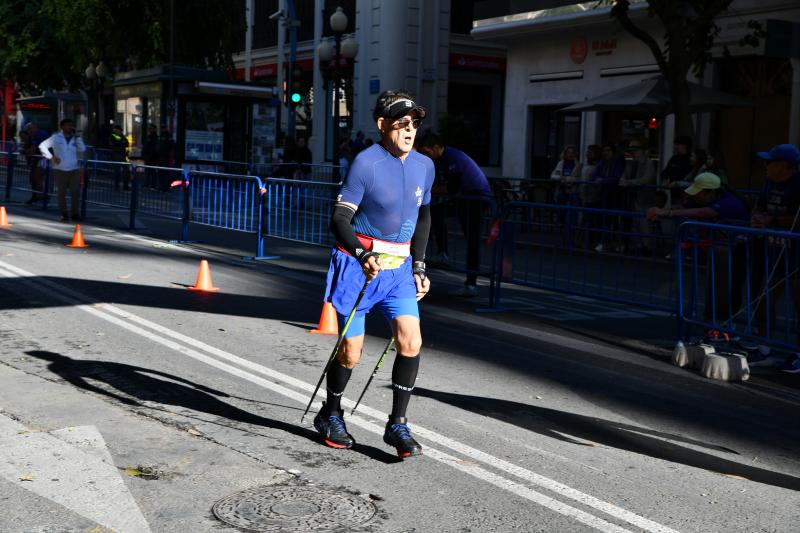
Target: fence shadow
point(562, 425)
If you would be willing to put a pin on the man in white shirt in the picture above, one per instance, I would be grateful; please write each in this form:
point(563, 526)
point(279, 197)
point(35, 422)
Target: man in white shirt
point(65, 146)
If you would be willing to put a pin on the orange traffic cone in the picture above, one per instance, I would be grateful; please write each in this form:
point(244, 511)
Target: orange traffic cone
point(203, 282)
point(328, 323)
point(4, 218)
point(77, 238)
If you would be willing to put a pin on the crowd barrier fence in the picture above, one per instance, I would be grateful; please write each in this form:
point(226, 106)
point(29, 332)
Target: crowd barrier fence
point(558, 248)
point(739, 280)
point(709, 275)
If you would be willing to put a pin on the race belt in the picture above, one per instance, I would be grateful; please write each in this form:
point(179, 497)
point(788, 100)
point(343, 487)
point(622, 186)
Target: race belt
point(392, 254)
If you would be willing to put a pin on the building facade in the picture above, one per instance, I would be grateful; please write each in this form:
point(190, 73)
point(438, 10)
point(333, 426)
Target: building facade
point(420, 46)
point(567, 52)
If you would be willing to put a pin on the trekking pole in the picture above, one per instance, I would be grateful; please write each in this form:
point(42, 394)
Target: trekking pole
point(374, 373)
point(336, 348)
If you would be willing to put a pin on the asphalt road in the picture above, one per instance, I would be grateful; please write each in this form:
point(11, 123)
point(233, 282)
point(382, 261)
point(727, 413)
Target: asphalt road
point(525, 427)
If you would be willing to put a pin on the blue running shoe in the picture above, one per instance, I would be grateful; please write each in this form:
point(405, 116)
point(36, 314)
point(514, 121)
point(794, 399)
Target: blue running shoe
point(333, 430)
point(792, 367)
point(399, 436)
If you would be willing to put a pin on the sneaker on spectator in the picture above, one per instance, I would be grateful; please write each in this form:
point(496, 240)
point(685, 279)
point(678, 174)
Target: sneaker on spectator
point(467, 291)
point(599, 248)
point(792, 367)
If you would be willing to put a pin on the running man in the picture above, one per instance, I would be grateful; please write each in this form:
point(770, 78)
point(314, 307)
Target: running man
point(381, 222)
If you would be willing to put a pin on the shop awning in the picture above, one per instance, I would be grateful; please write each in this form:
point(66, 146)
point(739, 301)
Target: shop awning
point(652, 96)
point(232, 89)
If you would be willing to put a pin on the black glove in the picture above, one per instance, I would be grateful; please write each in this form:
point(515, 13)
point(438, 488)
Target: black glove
point(364, 256)
point(419, 269)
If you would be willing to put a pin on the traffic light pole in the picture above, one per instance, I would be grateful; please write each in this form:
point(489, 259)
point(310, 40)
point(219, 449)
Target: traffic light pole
point(293, 23)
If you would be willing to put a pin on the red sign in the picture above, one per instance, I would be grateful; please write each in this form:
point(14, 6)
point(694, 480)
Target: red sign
point(604, 47)
point(482, 63)
point(578, 50)
point(271, 70)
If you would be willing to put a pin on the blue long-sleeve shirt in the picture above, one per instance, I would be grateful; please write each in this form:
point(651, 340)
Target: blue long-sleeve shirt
point(609, 171)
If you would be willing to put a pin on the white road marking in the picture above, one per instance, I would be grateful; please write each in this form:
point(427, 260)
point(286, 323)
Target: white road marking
point(104, 311)
point(65, 474)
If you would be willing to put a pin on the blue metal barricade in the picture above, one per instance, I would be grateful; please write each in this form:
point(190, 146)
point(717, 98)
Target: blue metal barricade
point(317, 172)
point(299, 210)
point(740, 280)
point(604, 254)
point(227, 201)
point(17, 173)
point(157, 191)
point(108, 183)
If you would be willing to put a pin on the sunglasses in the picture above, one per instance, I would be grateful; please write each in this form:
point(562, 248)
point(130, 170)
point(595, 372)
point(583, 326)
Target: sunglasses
point(404, 123)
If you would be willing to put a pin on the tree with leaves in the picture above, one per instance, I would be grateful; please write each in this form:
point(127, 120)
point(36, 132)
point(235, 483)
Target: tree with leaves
point(49, 44)
point(689, 35)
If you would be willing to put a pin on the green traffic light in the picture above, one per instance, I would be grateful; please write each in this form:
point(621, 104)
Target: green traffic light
point(296, 98)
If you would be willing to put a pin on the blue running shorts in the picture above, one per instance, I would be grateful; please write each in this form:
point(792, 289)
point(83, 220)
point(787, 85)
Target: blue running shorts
point(392, 291)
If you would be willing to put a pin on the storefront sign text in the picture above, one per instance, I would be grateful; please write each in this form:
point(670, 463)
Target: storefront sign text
point(604, 47)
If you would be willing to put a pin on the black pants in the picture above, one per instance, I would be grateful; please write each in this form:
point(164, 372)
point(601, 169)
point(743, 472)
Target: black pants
point(469, 213)
point(439, 225)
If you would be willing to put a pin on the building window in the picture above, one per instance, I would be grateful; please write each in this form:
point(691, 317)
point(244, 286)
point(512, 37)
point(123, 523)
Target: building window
point(550, 131)
point(205, 131)
point(129, 117)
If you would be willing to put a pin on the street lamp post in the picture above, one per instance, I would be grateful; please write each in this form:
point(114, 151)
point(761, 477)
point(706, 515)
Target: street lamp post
point(341, 54)
point(96, 76)
point(338, 23)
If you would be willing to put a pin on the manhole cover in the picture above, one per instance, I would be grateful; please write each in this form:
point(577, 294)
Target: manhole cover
point(293, 509)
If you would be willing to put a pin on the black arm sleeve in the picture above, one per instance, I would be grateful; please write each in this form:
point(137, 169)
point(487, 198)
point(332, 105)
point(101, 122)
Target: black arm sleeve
point(344, 233)
point(419, 242)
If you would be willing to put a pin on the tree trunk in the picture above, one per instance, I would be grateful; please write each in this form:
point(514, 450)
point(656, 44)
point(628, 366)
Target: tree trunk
point(679, 91)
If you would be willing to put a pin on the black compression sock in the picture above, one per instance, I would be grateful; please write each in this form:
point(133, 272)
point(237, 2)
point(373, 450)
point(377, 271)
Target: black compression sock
point(404, 374)
point(338, 376)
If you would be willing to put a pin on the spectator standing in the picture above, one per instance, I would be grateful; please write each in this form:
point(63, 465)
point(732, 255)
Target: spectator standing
point(638, 183)
point(679, 165)
point(165, 157)
point(119, 154)
point(589, 192)
point(345, 160)
point(463, 175)
point(358, 143)
point(607, 174)
point(65, 146)
point(150, 155)
point(777, 208)
point(36, 164)
point(698, 160)
point(715, 164)
point(565, 174)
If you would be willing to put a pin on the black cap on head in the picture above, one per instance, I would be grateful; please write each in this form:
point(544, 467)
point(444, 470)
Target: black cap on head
point(403, 107)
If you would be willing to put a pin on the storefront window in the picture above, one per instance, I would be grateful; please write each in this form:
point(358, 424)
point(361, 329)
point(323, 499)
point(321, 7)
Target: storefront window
point(154, 112)
point(129, 116)
point(550, 132)
point(205, 131)
point(622, 127)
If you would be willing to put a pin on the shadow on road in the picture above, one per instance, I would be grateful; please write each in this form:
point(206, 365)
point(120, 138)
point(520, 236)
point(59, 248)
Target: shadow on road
point(221, 303)
point(562, 425)
point(133, 384)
